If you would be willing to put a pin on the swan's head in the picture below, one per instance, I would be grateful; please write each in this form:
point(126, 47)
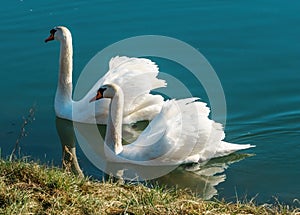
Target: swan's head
point(106, 91)
point(60, 33)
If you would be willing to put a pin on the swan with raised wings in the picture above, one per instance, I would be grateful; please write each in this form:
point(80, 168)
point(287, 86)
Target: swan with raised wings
point(180, 133)
point(136, 76)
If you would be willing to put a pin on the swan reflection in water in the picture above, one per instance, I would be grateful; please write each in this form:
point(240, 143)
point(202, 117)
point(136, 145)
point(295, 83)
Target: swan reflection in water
point(65, 131)
point(201, 178)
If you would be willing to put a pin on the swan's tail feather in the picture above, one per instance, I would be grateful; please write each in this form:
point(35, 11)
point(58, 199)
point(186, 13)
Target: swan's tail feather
point(226, 148)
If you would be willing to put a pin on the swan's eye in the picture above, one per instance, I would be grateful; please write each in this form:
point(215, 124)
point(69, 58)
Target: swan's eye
point(102, 89)
point(52, 32)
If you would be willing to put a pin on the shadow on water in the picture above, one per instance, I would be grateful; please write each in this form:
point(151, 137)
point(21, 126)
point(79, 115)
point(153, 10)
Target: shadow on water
point(201, 178)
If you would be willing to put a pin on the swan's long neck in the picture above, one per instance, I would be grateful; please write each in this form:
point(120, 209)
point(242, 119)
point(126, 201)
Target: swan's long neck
point(63, 97)
point(113, 137)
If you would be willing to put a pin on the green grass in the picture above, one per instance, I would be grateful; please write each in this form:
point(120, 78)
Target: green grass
point(29, 188)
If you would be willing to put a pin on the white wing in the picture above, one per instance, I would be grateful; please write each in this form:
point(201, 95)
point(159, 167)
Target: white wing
point(180, 133)
point(170, 137)
point(136, 77)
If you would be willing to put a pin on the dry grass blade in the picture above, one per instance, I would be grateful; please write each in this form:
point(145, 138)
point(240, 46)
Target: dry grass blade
point(23, 133)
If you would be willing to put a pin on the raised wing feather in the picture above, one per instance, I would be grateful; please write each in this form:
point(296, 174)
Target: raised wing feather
point(171, 136)
point(136, 77)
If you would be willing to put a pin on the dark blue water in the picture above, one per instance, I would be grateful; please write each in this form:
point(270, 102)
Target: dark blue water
point(253, 46)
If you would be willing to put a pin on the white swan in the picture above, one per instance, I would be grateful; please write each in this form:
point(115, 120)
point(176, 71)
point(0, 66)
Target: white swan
point(136, 76)
point(180, 133)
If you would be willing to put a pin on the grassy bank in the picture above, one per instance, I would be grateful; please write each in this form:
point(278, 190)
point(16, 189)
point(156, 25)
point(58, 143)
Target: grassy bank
point(29, 188)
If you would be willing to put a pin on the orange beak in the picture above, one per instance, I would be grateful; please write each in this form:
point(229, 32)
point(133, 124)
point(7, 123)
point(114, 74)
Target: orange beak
point(97, 97)
point(51, 37)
